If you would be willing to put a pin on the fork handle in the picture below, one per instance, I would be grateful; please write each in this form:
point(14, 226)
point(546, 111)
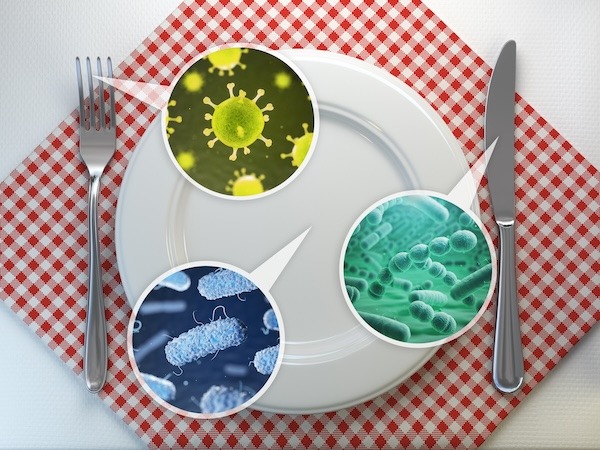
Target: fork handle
point(508, 353)
point(95, 353)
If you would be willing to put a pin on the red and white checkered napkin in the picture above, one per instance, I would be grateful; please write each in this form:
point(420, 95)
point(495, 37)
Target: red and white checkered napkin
point(450, 402)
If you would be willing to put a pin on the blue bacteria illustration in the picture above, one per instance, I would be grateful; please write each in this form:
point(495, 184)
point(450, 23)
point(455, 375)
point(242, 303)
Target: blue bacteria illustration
point(265, 359)
point(224, 283)
point(270, 320)
point(218, 399)
point(178, 281)
point(203, 340)
point(208, 346)
point(420, 261)
point(162, 387)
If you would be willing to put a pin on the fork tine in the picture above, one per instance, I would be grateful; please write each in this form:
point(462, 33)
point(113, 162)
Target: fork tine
point(91, 89)
point(111, 91)
point(101, 94)
point(80, 86)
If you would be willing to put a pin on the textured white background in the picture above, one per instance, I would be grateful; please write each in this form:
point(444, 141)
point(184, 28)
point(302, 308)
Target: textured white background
point(45, 406)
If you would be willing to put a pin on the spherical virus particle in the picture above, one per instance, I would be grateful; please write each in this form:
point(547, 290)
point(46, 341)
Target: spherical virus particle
point(193, 81)
point(237, 122)
point(282, 80)
point(226, 60)
point(245, 183)
point(186, 160)
point(168, 119)
point(301, 147)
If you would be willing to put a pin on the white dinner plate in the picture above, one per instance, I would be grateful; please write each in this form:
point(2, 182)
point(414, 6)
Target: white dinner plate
point(377, 137)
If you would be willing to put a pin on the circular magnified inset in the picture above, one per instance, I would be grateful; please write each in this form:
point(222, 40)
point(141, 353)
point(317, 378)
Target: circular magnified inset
point(241, 122)
point(204, 341)
point(418, 270)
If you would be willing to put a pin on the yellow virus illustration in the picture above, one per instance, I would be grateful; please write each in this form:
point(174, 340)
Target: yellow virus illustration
point(193, 81)
point(186, 160)
point(169, 119)
point(245, 183)
point(226, 60)
point(282, 80)
point(301, 147)
point(237, 122)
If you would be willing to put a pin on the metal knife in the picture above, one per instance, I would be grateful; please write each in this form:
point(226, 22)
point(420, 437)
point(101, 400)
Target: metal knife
point(508, 368)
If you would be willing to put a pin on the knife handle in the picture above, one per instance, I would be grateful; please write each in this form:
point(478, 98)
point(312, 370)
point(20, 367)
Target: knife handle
point(508, 368)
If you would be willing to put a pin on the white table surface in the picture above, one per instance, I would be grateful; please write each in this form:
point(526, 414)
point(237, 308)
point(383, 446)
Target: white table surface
point(44, 405)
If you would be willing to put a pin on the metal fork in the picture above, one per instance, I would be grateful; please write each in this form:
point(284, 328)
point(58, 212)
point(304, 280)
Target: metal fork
point(97, 141)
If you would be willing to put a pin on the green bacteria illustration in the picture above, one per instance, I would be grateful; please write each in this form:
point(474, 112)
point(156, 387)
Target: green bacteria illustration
point(237, 121)
point(240, 111)
point(417, 268)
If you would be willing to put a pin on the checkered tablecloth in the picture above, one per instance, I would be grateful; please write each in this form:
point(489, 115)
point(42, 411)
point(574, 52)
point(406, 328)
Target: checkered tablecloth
point(450, 402)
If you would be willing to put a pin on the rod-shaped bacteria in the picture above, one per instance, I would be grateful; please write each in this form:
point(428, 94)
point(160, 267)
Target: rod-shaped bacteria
point(356, 282)
point(265, 359)
point(421, 311)
point(471, 282)
point(270, 320)
point(428, 206)
point(162, 387)
point(386, 326)
point(353, 293)
point(435, 299)
point(443, 323)
point(376, 290)
point(203, 340)
point(178, 281)
point(222, 398)
point(224, 283)
point(437, 270)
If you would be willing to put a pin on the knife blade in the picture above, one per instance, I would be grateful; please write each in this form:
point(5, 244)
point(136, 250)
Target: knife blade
point(508, 370)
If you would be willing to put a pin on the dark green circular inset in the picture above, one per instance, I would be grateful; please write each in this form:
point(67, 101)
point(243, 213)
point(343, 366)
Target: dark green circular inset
point(240, 121)
point(418, 269)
